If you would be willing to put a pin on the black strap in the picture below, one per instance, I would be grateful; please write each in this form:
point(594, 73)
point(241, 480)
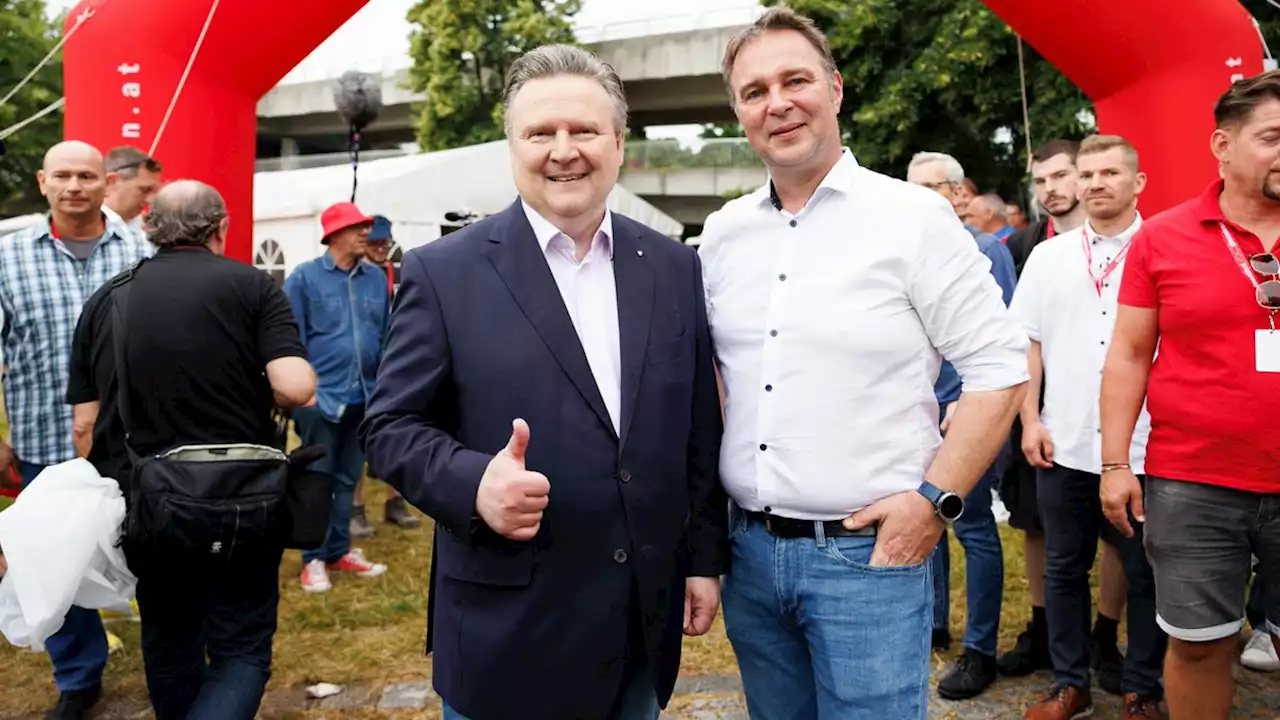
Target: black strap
point(119, 308)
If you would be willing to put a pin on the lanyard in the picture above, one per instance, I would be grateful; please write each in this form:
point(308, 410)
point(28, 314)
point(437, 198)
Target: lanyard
point(1238, 254)
point(1243, 263)
point(1110, 268)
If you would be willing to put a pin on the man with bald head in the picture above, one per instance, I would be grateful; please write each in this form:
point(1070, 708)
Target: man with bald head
point(212, 347)
point(46, 273)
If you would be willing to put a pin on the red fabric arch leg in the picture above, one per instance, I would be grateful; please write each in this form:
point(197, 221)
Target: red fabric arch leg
point(123, 65)
point(1153, 69)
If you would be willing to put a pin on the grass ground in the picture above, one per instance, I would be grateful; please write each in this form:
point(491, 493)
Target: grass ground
point(373, 630)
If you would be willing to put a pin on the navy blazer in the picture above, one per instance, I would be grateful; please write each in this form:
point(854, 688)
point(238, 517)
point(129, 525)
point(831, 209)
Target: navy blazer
point(480, 336)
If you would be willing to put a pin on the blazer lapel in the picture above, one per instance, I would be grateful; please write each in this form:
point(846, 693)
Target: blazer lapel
point(633, 275)
point(518, 258)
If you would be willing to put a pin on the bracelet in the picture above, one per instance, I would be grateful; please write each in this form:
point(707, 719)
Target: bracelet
point(1108, 467)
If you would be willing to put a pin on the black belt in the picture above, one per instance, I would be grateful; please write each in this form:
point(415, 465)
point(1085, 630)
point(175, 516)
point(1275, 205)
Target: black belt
point(791, 528)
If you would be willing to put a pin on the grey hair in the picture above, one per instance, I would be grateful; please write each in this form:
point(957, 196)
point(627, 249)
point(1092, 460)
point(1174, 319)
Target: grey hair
point(955, 172)
point(995, 204)
point(550, 61)
point(186, 212)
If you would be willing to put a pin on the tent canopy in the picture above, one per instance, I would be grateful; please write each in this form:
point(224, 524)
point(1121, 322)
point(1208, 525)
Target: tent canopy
point(421, 189)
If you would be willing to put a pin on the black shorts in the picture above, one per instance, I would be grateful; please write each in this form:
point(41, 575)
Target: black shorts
point(1018, 487)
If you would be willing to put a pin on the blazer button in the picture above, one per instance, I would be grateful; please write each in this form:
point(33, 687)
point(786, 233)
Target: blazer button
point(619, 556)
point(625, 475)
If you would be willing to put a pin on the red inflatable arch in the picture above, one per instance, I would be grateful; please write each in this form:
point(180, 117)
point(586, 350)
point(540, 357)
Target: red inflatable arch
point(1153, 69)
point(124, 63)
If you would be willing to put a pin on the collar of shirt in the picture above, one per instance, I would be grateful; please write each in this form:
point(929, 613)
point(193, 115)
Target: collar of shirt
point(327, 262)
point(1210, 209)
point(115, 227)
point(839, 178)
point(546, 232)
point(1118, 240)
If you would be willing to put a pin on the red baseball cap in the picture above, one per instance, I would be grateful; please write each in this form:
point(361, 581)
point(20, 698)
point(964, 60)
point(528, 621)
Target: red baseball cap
point(341, 216)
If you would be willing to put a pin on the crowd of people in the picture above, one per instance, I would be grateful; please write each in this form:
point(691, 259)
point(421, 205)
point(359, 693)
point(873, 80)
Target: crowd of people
point(616, 434)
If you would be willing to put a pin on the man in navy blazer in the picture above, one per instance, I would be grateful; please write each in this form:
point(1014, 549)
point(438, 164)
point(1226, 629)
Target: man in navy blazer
point(547, 396)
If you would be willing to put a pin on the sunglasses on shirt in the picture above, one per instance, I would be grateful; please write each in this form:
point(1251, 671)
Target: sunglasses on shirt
point(1268, 294)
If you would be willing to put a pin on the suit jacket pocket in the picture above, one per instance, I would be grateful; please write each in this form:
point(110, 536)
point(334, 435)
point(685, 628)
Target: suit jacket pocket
point(507, 567)
point(664, 351)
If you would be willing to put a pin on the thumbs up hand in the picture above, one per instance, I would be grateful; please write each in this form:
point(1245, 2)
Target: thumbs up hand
point(511, 499)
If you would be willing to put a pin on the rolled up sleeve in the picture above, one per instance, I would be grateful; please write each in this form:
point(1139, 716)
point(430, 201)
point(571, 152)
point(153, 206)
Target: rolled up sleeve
point(962, 308)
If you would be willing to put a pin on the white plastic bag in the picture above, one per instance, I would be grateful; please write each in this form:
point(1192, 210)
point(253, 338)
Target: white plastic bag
point(59, 539)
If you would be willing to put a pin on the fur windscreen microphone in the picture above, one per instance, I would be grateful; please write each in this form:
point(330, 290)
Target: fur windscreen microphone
point(358, 98)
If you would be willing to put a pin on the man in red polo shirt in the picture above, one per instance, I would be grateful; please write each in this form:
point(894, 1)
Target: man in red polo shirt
point(1201, 281)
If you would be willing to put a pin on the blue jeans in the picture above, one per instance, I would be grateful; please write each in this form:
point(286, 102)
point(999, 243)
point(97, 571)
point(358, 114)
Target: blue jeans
point(345, 462)
point(984, 572)
point(637, 702)
point(819, 633)
point(207, 629)
point(79, 649)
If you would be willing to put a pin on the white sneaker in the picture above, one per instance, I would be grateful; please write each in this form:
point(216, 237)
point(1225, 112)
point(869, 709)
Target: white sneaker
point(315, 578)
point(1260, 653)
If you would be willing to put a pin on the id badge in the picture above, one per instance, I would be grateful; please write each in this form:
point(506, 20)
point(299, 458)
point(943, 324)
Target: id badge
point(1267, 347)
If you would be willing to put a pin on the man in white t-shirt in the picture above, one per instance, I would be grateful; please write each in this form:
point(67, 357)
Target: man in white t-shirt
point(1066, 301)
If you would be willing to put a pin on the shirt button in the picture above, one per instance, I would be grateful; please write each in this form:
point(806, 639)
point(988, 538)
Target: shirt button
point(763, 446)
point(619, 556)
point(768, 388)
point(625, 475)
point(783, 276)
point(773, 333)
point(793, 223)
point(1102, 342)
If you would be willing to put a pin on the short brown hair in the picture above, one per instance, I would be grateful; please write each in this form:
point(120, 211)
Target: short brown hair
point(1101, 143)
point(1237, 104)
point(126, 160)
point(1054, 148)
point(777, 18)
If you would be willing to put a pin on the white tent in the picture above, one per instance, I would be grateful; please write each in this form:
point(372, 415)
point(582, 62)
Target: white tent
point(415, 192)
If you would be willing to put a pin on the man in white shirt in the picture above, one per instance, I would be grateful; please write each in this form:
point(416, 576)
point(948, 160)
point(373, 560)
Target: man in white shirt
point(833, 294)
point(1066, 301)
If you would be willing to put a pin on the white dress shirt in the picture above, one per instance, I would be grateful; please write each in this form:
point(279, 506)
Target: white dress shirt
point(829, 328)
point(1059, 307)
point(591, 297)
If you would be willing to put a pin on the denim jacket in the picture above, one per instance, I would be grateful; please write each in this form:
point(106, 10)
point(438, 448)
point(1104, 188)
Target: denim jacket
point(342, 317)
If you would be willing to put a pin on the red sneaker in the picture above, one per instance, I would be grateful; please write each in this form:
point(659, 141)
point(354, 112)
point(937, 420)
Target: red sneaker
point(314, 577)
point(354, 562)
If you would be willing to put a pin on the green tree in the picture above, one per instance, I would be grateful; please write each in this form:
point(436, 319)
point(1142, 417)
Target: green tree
point(461, 50)
point(942, 75)
point(27, 37)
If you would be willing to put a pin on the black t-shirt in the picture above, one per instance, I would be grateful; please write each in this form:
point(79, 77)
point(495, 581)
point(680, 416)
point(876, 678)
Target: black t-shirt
point(201, 329)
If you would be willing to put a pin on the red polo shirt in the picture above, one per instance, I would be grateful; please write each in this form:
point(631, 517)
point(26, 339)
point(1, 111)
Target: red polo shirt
point(1210, 407)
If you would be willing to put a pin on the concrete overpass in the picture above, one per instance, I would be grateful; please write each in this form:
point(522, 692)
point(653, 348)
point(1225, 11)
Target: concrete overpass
point(671, 78)
point(670, 67)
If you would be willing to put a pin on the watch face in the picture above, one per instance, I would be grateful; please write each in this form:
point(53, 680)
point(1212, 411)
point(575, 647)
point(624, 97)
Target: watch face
point(950, 506)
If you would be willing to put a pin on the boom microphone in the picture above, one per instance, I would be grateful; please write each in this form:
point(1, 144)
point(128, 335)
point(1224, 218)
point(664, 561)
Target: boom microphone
point(358, 98)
